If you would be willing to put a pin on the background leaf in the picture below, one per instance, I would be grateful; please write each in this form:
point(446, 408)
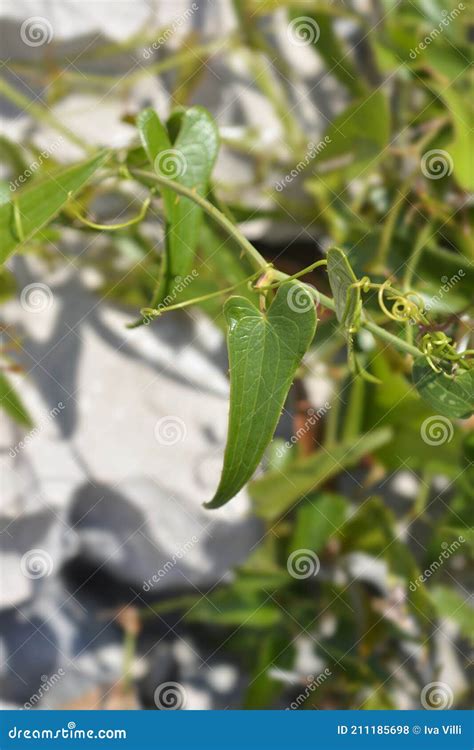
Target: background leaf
point(187, 159)
point(461, 148)
point(452, 606)
point(359, 135)
point(319, 518)
point(37, 205)
point(11, 402)
point(276, 492)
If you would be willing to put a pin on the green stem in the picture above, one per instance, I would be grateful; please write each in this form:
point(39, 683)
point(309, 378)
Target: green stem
point(270, 86)
point(41, 113)
point(259, 263)
point(400, 344)
point(128, 657)
point(389, 227)
point(332, 421)
point(414, 258)
point(354, 410)
point(171, 61)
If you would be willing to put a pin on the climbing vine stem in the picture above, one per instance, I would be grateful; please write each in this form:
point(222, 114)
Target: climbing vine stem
point(407, 306)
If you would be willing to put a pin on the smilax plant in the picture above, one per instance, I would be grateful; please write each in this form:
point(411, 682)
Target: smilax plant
point(358, 296)
point(271, 316)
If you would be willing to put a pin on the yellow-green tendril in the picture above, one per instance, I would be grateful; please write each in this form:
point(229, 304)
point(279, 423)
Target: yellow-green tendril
point(406, 306)
point(150, 313)
point(440, 346)
point(113, 227)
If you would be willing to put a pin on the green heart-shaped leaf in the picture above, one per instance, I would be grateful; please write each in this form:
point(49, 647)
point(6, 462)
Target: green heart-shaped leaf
point(264, 353)
point(451, 396)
